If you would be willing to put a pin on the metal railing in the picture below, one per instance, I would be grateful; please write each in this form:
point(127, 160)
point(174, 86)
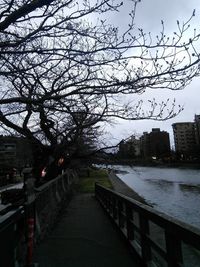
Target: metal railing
point(155, 238)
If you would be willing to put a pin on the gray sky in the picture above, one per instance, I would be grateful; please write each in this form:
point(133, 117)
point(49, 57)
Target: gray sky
point(149, 15)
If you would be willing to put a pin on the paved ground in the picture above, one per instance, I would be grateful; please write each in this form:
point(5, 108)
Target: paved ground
point(84, 237)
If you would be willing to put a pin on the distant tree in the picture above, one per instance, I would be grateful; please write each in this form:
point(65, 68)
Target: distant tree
point(62, 75)
point(127, 149)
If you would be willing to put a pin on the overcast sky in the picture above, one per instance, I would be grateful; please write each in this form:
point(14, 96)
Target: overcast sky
point(149, 15)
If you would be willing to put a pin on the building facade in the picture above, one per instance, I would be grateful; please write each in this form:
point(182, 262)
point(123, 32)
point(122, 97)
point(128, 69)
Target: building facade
point(144, 145)
point(155, 144)
point(184, 137)
point(187, 137)
point(15, 152)
point(197, 129)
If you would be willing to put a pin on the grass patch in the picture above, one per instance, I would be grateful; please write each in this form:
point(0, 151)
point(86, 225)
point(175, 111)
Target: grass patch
point(87, 183)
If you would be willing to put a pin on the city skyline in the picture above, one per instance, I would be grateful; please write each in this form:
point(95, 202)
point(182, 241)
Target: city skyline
point(172, 143)
point(147, 127)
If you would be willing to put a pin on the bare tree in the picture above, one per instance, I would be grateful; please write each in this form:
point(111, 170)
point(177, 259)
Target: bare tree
point(62, 74)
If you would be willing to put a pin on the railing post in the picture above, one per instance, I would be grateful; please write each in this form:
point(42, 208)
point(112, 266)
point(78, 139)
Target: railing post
point(108, 200)
point(129, 219)
point(120, 216)
point(29, 185)
point(174, 250)
point(175, 232)
point(96, 190)
point(114, 208)
point(145, 246)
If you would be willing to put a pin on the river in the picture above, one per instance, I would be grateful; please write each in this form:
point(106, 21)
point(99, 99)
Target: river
point(173, 191)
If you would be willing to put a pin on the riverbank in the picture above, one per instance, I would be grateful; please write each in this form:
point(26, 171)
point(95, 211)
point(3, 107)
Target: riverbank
point(120, 187)
point(89, 177)
point(107, 178)
point(178, 164)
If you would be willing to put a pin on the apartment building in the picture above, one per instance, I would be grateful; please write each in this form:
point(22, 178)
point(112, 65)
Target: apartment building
point(15, 152)
point(184, 137)
point(155, 144)
point(197, 128)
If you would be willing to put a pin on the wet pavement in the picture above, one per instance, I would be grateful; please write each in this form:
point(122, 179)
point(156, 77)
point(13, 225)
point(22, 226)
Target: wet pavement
point(84, 237)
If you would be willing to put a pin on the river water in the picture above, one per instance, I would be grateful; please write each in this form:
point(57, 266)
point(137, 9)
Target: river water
point(173, 191)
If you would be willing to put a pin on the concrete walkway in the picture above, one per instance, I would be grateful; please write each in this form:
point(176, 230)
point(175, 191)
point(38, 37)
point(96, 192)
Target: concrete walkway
point(84, 237)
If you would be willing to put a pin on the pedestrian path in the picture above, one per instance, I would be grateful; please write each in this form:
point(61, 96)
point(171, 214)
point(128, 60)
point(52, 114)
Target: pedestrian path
point(84, 237)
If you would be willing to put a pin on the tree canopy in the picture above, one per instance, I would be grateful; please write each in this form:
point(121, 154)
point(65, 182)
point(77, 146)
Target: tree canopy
point(64, 69)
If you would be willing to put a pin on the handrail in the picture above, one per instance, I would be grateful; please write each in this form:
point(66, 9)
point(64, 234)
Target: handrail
point(10, 217)
point(156, 238)
point(51, 182)
point(15, 223)
point(12, 237)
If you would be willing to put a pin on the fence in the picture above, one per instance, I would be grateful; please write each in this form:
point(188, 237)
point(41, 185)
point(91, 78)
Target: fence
point(155, 238)
point(12, 237)
point(18, 225)
point(49, 200)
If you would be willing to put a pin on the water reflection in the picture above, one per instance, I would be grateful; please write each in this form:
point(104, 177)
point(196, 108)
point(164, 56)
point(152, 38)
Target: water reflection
point(190, 188)
point(161, 183)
